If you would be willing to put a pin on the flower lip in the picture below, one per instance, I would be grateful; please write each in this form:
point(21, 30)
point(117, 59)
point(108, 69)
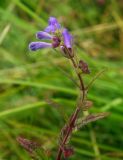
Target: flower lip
point(52, 21)
point(49, 29)
point(53, 25)
point(43, 35)
point(33, 46)
point(67, 38)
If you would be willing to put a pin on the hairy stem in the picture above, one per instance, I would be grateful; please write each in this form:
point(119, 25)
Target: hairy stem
point(79, 77)
point(74, 116)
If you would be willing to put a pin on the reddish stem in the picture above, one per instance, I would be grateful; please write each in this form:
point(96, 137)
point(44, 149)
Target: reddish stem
point(69, 130)
point(73, 116)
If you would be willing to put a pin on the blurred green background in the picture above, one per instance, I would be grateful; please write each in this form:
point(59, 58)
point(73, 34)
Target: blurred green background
point(28, 80)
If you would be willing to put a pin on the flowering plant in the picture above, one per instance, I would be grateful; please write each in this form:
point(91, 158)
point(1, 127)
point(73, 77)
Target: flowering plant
point(59, 37)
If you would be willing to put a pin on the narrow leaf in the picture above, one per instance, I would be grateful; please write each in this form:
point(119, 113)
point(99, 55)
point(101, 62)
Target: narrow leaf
point(90, 118)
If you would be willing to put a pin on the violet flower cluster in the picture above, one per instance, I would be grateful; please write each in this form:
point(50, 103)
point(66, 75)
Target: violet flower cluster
point(57, 37)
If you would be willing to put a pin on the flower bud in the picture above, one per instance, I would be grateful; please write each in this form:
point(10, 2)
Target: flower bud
point(28, 145)
point(55, 42)
point(84, 67)
point(68, 151)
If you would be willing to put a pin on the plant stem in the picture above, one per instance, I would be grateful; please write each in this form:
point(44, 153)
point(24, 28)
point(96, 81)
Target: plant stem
point(74, 116)
point(79, 77)
point(69, 130)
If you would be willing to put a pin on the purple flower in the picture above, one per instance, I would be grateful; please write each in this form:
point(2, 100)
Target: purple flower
point(53, 21)
point(53, 25)
point(56, 36)
point(67, 38)
point(46, 35)
point(33, 46)
point(43, 35)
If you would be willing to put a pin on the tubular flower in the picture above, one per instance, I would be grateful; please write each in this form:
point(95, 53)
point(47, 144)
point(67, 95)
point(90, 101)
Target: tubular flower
point(67, 47)
point(43, 35)
point(67, 38)
point(39, 45)
point(47, 34)
point(56, 36)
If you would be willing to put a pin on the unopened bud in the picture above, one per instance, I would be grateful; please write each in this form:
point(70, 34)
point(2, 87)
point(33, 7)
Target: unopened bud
point(84, 67)
point(68, 151)
point(55, 42)
point(28, 145)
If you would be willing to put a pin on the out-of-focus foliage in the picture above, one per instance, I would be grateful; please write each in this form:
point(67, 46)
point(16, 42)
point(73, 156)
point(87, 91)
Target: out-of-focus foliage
point(28, 80)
